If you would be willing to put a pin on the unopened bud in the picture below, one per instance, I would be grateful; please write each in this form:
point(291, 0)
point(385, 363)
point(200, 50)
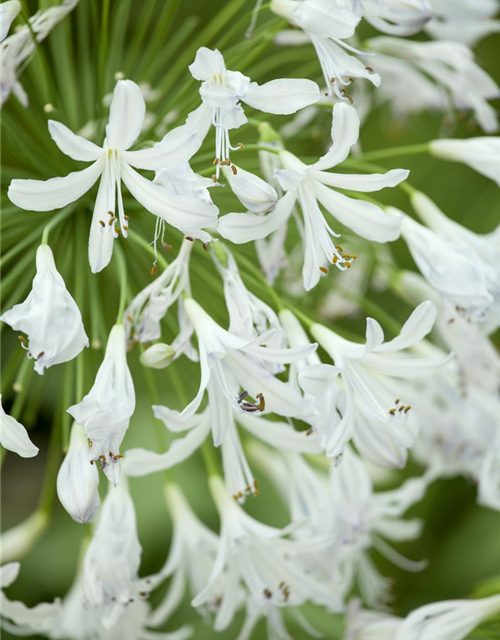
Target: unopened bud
point(158, 356)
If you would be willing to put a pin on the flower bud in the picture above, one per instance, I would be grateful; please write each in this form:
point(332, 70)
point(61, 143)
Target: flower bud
point(158, 356)
point(78, 479)
point(254, 193)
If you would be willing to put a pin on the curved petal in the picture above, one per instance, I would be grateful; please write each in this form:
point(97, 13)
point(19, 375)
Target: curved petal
point(374, 334)
point(182, 212)
point(55, 193)
point(179, 145)
point(345, 133)
point(126, 115)
point(73, 145)
point(245, 227)
point(14, 437)
point(283, 96)
point(418, 325)
point(101, 235)
point(364, 183)
point(278, 434)
point(207, 63)
point(364, 218)
point(8, 12)
point(316, 379)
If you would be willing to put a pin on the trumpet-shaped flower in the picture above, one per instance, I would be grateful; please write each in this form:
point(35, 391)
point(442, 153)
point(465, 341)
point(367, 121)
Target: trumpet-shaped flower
point(309, 186)
point(327, 24)
point(397, 17)
point(49, 316)
point(366, 375)
point(105, 411)
point(14, 437)
point(466, 21)
point(435, 75)
point(78, 479)
point(481, 154)
point(222, 92)
point(254, 193)
point(114, 163)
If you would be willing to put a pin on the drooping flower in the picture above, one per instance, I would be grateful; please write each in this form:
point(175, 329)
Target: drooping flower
point(481, 154)
point(14, 437)
point(49, 316)
point(327, 24)
point(436, 76)
point(397, 17)
point(222, 92)
point(78, 479)
point(105, 411)
point(16, 49)
point(114, 163)
point(371, 408)
point(308, 185)
point(466, 21)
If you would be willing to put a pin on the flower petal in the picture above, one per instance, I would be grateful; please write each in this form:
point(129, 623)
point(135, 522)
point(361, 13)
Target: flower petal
point(126, 115)
point(324, 19)
point(101, 237)
point(245, 227)
point(8, 12)
point(316, 379)
point(418, 325)
point(14, 437)
point(73, 145)
point(359, 182)
point(283, 96)
point(364, 218)
point(207, 63)
point(179, 145)
point(345, 133)
point(182, 212)
point(55, 193)
point(278, 434)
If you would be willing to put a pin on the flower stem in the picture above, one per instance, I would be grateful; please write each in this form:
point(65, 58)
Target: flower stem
point(122, 273)
point(393, 152)
point(59, 217)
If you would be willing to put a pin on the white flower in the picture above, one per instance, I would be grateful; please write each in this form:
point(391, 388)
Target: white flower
point(434, 75)
point(19, 539)
point(14, 437)
point(114, 163)
point(17, 49)
point(371, 408)
point(222, 91)
point(157, 356)
point(481, 258)
point(105, 411)
point(78, 479)
point(466, 21)
point(397, 17)
point(258, 557)
point(481, 154)
point(16, 617)
point(111, 563)
point(8, 13)
point(144, 314)
point(308, 185)
point(254, 193)
point(230, 363)
point(327, 24)
point(49, 316)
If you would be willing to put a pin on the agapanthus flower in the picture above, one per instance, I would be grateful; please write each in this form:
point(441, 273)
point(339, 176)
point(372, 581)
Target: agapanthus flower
point(397, 17)
point(105, 411)
point(78, 479)
point(308, 185)
point(255, 194)
point(16, 49)
point(481, 154)
point(467, 21)
point(8, 12)
point(371, 408)
point(114, 163)
point(436, 76)
point(49, 316)
point(222, 92)
point(14, 437)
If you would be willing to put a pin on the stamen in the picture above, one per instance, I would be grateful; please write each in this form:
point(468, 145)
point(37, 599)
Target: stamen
point(154, 270)
point(234, 169)
point(323, 269)
point(102, 223)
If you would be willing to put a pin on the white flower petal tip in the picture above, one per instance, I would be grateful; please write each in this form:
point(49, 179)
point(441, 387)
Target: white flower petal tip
point(49, 316)
point(14, 437)
point(78, 479)
point(254, 193)
point(481, 154)
point(282, 97)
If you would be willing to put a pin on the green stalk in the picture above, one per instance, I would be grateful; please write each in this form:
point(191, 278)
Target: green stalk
point(396, 152)
point(121, 266)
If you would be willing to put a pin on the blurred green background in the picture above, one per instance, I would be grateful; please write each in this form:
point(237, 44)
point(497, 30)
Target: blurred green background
point(152, 41)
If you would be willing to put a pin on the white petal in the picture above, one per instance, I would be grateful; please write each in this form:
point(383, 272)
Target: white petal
point(207, 63)
point(364, 218)
point(406, 367)
point(140, 462)
point(55, 193)
point(317, 379)
point(374, 334)
point(245, 227)
point(126, 115)
point(8, 12)
point(179, 145)
point(14, 437)
point(101, 237)
point(173, 420)
point(279, 434)
point(254, 193)
point(345, 133)
point(283, 96)
point(418, 325)
point(364, 183)
point(185, 213)
point(73, 145)
point(323, 18)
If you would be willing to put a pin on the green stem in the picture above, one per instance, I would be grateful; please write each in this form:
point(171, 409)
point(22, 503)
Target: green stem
point(122, 275)
point(209, 459)
point(59, 217)
point(260, 147)
point(393, 152)
point(53, 460)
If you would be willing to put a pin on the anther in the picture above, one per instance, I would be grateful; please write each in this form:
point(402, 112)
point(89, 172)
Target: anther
point(189, 238)
point(323, 269)
point(241, 146)
point(214, 178)
point(396, 401)
point(371, 69)
point(154, 270)
point(126, 217)
point(117, 230)
point(111, 213)
point(125, 227)
point(407, 408)
point(339, 248)
point(268, 594)
point(347, 265)
point(102, 223)
point(332, 80)
point(22, 340)
point(215, 162)
point(40, 355)
point(262, 401)
point(111, 220)
point(392, 412)
point(234, 169)
point(335, 260)
point(205, 247)
point(166, 246)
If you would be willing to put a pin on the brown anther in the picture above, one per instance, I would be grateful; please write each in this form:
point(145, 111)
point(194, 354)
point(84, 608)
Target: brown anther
point(117, 230)
point(102, 223)
point(126, 217)
point(22, 340)
point(392, 412)
point(143, 594)
point(91, 462)
point(397, 401)
point(350, 98)
point(335, 260)
point(323, 269)
point(241, 146)
point(205, 247)
point(346, 256)
point(309, 432)
point(225, 163)
point(256, 493)
point(332, 79)
point(351, 79)
point(214, 178)
point(268, 594)
point(248, 489)
point(111, 213)
point(255, 484)
point(125, 227)
point(234, 169)
point(353, 256)
point(407, 408)
point(339, 248)
point(347, 265)
point(401, 408)
point(189, 238)
point(130, 319)
point(40, 355)
point(111, 220)
point(154, 270)
point(216, 162)
point(370, 69)
point(166, 246)
point(262, 401)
